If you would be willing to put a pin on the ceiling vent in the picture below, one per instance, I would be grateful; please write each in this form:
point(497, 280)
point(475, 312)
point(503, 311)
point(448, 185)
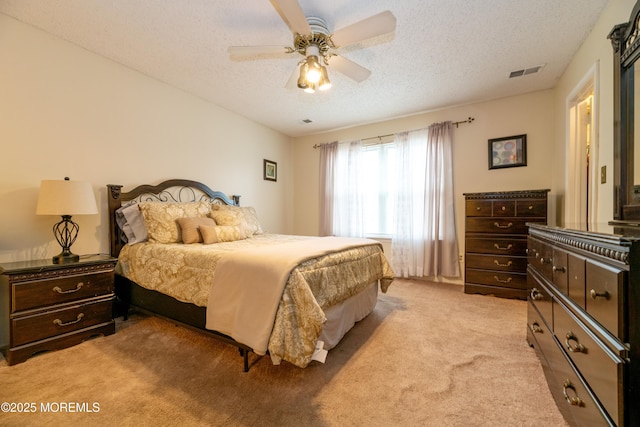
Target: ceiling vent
point(526, 71)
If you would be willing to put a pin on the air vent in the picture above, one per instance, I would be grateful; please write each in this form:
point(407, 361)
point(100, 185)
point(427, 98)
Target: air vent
point(526, 71)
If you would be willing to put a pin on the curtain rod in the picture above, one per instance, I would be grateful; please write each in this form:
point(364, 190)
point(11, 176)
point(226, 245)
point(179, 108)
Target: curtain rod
point(469, 120)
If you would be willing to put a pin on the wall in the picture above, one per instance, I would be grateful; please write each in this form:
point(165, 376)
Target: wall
point(595, 51)
point(67, 112)
point(530, 114)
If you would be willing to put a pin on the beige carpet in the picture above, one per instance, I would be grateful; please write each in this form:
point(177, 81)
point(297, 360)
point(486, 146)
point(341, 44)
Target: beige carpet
point(429, 355)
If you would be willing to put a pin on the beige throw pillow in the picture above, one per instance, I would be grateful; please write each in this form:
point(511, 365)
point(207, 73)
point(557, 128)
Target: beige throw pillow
point(221, 233)
point(189, 228)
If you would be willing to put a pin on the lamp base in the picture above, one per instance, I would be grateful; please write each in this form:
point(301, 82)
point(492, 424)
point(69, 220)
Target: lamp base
point(65, 258)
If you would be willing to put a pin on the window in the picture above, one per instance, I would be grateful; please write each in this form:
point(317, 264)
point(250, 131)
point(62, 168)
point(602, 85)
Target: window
point(379, 176)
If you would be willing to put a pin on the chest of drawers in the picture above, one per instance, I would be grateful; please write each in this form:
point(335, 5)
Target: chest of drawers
point(496, 240)
point(46, 306)
point(584, 322)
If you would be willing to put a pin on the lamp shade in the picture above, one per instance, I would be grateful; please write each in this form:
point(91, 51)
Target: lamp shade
point(65, 197)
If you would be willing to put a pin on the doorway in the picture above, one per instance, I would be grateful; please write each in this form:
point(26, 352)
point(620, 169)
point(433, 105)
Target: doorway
point(582, 151)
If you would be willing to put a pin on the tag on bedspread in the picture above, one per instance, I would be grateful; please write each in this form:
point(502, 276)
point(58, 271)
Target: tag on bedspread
point(319, 354)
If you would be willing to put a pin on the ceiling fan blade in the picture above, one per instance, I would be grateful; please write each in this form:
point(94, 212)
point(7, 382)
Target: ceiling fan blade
point(242, 51)
point(292, 15)
point(292, 83)
point(349, 68)
point(376, 25)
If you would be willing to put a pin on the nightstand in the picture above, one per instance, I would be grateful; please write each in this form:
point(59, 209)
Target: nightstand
point(46, 306)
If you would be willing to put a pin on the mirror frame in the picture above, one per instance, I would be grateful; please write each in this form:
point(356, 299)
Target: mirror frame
point(625, 39)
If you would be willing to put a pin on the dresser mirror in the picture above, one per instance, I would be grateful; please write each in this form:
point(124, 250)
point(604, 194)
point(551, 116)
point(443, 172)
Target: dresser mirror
point(625, 39)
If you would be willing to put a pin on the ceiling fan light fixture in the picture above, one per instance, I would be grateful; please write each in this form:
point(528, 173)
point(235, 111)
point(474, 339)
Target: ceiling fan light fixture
point(324, 83)
point(314, 69)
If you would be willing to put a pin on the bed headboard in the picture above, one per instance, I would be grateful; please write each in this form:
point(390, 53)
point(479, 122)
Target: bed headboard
point(173, 190)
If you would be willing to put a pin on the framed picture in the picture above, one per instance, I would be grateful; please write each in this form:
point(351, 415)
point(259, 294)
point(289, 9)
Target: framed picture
point(508, 152)
point(270, 170)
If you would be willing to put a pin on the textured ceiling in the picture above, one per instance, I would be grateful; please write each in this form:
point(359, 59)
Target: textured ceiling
point(442, 53)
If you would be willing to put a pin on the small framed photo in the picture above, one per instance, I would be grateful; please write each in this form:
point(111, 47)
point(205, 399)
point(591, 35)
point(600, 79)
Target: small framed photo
point(508, 152)
point(270, 170)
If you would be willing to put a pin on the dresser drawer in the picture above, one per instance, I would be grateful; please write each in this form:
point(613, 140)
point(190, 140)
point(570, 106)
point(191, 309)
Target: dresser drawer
point(478, 207)
point(497, 225)
point(576, 279)
point(496, 278)
point(601, 369)
point(531, 208)
point(541, 299)
point(572, 395)
point(604, 288)
point(26, 329)
point(496, 246)
point(29, 295)
point(497, 262)
point(504, 208)
point(538, 327)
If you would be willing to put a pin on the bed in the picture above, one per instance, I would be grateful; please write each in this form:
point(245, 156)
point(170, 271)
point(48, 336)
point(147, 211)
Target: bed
point(195, 256)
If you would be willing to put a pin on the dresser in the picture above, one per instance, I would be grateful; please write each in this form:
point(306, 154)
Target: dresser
point(584, 320)
point(46, 306)
point(496, 240)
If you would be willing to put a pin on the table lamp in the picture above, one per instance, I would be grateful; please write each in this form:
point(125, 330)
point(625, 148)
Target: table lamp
point(66, 198)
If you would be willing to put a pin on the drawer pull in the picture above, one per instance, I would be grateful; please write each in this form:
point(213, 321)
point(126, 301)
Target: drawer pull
point(72, 322)
point(502, 281)
point(498, 225)
point(544, 261)
point(558, 269)
point(504, 208)
point(536, 295)
point(578, 348)
point(536, 328)
point(530, 207)
point(478, 208)
point(572, 400)
point(496, 262)
point(593, 294)
point(70, 291)
point(503, 248)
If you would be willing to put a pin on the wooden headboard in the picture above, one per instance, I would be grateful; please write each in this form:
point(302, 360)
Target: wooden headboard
point(173, 190)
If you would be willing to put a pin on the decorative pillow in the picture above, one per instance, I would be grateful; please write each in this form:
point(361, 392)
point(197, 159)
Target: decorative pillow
point(236, 215)
point(130, 220)
point(161, 218)
point(189, 228)
point(221, 233)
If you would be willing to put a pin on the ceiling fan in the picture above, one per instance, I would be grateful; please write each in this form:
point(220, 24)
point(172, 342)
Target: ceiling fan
point(312, 40)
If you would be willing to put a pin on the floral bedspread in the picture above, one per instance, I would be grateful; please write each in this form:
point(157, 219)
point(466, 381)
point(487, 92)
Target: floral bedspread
point(185, 272)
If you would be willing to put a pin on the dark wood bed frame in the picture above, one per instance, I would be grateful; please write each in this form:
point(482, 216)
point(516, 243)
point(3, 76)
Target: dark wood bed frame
point(131, 295)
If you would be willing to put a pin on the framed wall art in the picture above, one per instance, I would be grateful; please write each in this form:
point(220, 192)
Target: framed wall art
point(270, 170)
point(508, 152)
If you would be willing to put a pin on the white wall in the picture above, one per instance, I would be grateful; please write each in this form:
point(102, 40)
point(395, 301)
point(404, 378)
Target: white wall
point(530, 114)
point(67, 112)
point(596, 50)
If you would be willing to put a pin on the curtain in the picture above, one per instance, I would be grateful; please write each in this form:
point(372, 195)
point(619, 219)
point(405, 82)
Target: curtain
point(341, 189)
point(328, 154)
point(424, 241)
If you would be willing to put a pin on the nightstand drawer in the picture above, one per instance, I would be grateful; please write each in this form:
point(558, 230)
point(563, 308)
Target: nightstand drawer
point(30, 295)
point(47, 324)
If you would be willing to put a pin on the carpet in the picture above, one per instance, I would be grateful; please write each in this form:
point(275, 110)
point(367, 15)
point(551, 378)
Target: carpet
point(429, 355)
